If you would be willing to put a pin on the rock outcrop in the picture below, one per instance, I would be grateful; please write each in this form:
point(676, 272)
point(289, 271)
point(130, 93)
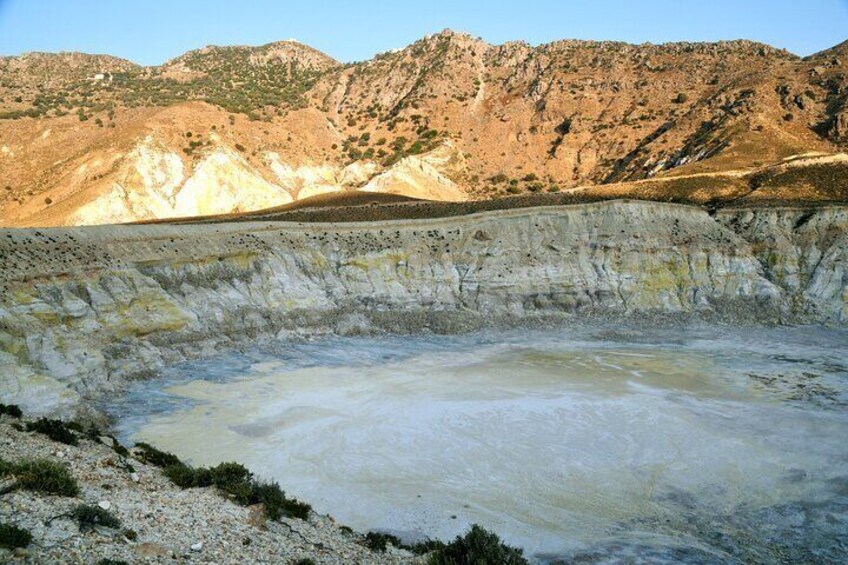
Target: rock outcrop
point(85, 309)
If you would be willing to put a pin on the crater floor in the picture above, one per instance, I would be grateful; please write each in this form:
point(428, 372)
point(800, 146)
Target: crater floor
point(597, 443)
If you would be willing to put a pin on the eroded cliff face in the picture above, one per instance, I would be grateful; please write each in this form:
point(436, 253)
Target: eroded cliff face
point(85, 309)
point(804, 252)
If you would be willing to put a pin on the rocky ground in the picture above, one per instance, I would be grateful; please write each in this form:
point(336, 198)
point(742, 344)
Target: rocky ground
point(159, 522)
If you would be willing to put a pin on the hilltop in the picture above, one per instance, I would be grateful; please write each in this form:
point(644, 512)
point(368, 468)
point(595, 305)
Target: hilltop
point(220, 130)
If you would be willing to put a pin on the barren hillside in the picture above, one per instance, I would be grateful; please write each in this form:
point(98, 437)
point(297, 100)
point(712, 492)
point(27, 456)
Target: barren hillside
point(87, 139)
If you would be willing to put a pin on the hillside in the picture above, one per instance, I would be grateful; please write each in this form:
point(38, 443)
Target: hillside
point(87, 139)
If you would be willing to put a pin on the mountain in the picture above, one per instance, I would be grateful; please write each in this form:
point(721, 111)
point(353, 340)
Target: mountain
point(95, 139)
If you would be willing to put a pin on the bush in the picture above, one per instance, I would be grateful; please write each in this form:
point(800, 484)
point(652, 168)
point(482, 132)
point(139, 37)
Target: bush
point(228, 476)
point(304, 561)
point(239, 484)
point(57, 430)
point(187, 477)
point(41, 475)
point(376, 541)
point(156, 457)
point(13, 537)
point(89, 517)
point(274, 500)
point(478, 547)
point(112, 562)
point(681, 98)
point(12, 410)
point(423, 547)
point(118, 448)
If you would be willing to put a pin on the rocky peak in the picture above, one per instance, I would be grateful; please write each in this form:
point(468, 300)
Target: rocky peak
point(277, 53)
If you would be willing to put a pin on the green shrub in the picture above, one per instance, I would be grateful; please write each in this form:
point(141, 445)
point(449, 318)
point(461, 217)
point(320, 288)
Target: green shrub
point(188, 477)
point(274, 500)
point(304, 561)
point(57, 430)
point(238, 483)
point(118, 448)
point(89, 517)
point(12, 537)
point(478, 547)
point(112, 562)
point(156, 457)
point(377, 541)
point(228, 475)
point(42, 475)
point(427, 546)
point(12, 410)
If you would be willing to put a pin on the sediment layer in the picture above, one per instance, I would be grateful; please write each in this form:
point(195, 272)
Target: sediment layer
point(84, 310)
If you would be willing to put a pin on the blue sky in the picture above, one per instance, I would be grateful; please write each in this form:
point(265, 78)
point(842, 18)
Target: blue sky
point(153, 31)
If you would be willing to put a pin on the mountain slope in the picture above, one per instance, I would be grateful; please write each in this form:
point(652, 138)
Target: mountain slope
point(448, 117)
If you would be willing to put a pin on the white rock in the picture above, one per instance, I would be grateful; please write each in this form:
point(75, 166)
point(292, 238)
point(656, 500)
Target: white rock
point(135, 477)
point(104, 504)
point(197, 546)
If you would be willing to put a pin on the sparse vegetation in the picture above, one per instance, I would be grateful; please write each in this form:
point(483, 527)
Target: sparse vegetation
point(57, 430)
point(478, 547)
point(231, 479)
point(90, 517)
point(152, 456)
point(14, 537)
point(41, 475)
point(12, 410)
point(376, 541)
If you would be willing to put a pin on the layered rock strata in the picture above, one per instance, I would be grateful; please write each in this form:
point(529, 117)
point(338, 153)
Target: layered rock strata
point(83, 310)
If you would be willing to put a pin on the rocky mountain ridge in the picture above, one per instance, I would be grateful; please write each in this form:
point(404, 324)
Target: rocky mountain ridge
point(522, 119)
